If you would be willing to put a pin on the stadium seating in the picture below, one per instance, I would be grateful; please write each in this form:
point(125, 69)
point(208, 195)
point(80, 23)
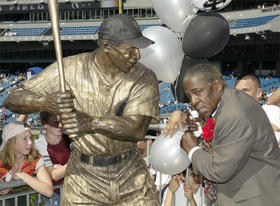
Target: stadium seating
point(90, 30)
point(27, 31)
point(84, 30)
point(241, 23)
point(265, 83)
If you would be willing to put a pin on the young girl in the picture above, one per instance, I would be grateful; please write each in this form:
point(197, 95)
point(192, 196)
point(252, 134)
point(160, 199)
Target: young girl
point(20, 160)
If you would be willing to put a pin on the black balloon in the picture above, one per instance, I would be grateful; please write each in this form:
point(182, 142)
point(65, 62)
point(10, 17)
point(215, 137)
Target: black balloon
point(186, 64)
point(206, 35)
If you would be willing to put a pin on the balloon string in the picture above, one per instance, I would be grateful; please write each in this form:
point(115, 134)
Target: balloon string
point(176, 82)
point(160, 189)
point(187, 17)
point(188, 183)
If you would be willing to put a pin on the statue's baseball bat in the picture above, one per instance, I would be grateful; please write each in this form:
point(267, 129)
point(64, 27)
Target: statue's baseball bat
point(54, 14)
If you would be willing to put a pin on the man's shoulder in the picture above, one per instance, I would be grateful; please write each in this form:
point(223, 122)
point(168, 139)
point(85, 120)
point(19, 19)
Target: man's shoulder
point(237, 104)
point(78, 59)
point(142, 68)
point(71, 61)
point(144, 72)
point(238, 99)
point(79, 56)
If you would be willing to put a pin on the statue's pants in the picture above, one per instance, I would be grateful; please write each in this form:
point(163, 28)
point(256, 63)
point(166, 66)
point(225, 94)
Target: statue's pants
point(127, 183)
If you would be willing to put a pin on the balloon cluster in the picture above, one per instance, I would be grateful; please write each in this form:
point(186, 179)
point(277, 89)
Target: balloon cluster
point(193, 29)
point(193, 32)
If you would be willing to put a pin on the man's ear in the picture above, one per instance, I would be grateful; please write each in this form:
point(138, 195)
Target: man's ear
point(218, 83)
point(105, 45)
point(259, 93)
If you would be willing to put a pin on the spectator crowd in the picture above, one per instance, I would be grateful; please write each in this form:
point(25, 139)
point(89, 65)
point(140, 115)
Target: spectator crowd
point(49, 155)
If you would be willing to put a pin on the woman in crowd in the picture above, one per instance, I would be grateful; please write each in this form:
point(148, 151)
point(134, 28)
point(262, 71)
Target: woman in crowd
point(55, 149)
point(20, 160)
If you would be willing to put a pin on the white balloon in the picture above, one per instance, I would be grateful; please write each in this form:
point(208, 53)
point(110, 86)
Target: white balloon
point(167, 156)
point(165, 56)
point(174, 13)
point(202, 4)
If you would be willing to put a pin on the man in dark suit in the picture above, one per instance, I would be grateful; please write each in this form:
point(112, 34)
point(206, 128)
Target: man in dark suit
point(245, 158)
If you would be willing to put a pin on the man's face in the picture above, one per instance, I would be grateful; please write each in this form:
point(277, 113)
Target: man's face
point(204, 96)
point(123, 56)
point(248, 86)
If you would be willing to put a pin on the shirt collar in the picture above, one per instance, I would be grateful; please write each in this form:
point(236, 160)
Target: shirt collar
point(215, 110)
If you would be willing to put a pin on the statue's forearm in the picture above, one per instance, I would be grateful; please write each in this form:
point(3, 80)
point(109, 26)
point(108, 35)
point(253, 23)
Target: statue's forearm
point(122, 128)
point(23, 102)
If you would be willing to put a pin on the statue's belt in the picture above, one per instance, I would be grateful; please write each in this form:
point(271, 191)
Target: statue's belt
point(106, 160)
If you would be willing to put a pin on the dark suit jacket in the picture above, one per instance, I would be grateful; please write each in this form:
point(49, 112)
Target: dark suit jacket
point(245, 162)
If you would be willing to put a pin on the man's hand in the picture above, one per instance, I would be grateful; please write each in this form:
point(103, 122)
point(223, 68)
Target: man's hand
point(188, 141)
point(175, 182)
point(59, 102)
point(175, 121)
point(188, 192)
point(192, 124)
point(76, 123)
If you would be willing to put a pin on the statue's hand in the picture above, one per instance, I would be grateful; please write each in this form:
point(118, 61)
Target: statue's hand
point(76, 123)
point(59, 103)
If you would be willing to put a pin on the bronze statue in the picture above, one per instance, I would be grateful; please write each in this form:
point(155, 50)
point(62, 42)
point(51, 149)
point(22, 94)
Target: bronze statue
point(109, 103)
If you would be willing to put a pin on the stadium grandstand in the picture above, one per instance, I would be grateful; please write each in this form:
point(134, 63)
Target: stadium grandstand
point(26, 36)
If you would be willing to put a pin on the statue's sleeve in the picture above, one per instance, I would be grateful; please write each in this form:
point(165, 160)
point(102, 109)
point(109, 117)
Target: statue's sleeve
point(144, 97)
point(45, 82)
